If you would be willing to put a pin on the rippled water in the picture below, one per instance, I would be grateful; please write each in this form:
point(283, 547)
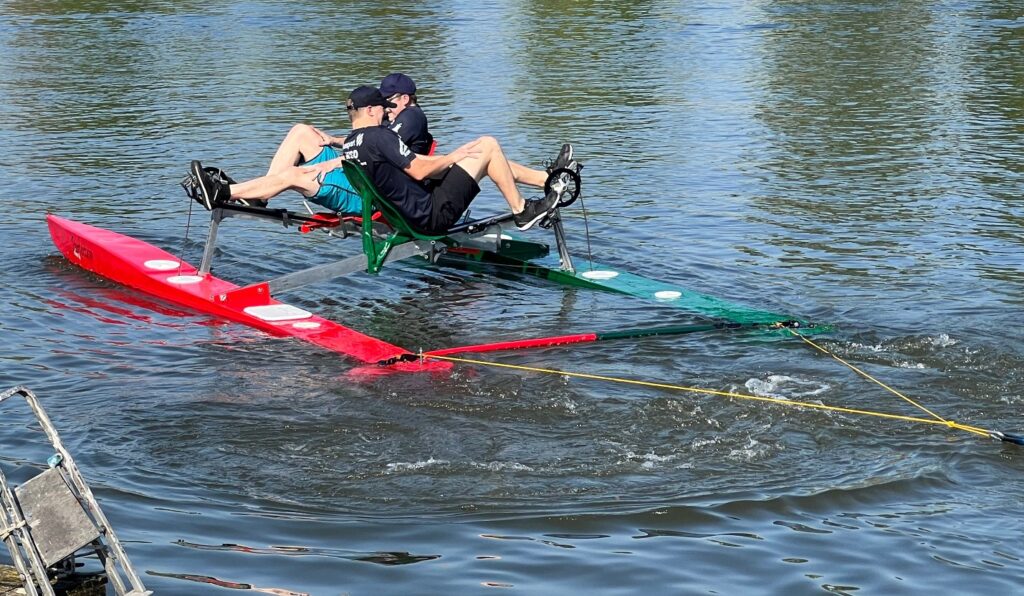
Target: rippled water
point(852, 163)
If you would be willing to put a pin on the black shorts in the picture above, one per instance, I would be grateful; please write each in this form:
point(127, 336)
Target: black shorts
point(451, 193)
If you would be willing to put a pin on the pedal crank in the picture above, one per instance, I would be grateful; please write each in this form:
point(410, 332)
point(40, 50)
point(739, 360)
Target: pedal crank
point(571, 192)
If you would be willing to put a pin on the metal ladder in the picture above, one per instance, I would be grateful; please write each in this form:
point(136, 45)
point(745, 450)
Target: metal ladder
point(47, 520)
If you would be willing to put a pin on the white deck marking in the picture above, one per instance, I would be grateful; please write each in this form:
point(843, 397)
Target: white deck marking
point(183, 280)
point(277, 312)
point(162, 264)
point(306, 325)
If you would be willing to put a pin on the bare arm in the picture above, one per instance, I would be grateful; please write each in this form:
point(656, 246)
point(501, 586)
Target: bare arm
point(424, 166)
point(329, 139)
point(325, 166)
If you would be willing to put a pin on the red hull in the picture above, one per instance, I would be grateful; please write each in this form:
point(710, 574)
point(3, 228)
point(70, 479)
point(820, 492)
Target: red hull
point(146, 268)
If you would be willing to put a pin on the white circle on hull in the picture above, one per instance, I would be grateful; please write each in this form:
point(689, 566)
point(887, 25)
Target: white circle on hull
point(162, 264)
point(277, 312)
point(183, 280)
point(667, 295)
point(599, 274)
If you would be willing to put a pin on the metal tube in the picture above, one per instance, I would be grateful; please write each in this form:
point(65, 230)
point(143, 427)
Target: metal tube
point(211, 242)
point(340, 268)
point(563, 249)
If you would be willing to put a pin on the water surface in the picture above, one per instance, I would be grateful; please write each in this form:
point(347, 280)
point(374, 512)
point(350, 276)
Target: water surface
point(853, 164)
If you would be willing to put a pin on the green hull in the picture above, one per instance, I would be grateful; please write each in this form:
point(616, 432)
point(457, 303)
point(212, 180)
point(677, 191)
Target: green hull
point(514, 252)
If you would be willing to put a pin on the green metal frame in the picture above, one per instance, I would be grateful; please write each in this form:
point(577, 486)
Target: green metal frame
point(376, 248)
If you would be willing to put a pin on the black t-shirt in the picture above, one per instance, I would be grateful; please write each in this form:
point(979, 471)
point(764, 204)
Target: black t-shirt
point(384, 157)
point(411, 125)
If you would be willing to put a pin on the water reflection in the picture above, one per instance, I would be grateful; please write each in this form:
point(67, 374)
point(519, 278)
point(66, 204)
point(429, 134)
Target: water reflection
point(902, 154)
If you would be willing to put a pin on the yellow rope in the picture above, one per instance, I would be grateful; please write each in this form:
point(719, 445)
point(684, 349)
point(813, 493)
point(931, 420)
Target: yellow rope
point(865, 375)
point(775, 400)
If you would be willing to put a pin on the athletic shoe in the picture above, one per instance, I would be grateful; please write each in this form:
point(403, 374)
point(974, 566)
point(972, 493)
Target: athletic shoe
point(212, 191)
point(221, 177)
point(563, 160)
point(535, 211)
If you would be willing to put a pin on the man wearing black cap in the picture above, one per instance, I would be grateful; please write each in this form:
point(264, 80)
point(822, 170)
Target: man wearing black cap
point(321, 181)
point(307, 160)
point(406, 118)
point(432, 192)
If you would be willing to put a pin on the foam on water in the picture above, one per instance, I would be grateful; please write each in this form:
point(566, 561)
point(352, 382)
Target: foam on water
point(501, 466)
point(648, 461)
point(786, 387)
point(753, 450)
point(398, 467)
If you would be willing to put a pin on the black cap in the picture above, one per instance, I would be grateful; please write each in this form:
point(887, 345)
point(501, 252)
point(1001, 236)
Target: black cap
point(365, 96)
point(397, 82)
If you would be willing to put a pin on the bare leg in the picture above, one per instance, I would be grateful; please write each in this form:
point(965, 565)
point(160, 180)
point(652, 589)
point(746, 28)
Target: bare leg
point(491, 162)
point(303, 180)
point(302, 143)
point(528, 176)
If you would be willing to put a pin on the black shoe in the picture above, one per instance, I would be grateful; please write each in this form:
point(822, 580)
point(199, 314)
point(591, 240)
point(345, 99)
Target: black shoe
point(221, 178)
point(563, 160)
point(210, 191)
point(535, 211)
